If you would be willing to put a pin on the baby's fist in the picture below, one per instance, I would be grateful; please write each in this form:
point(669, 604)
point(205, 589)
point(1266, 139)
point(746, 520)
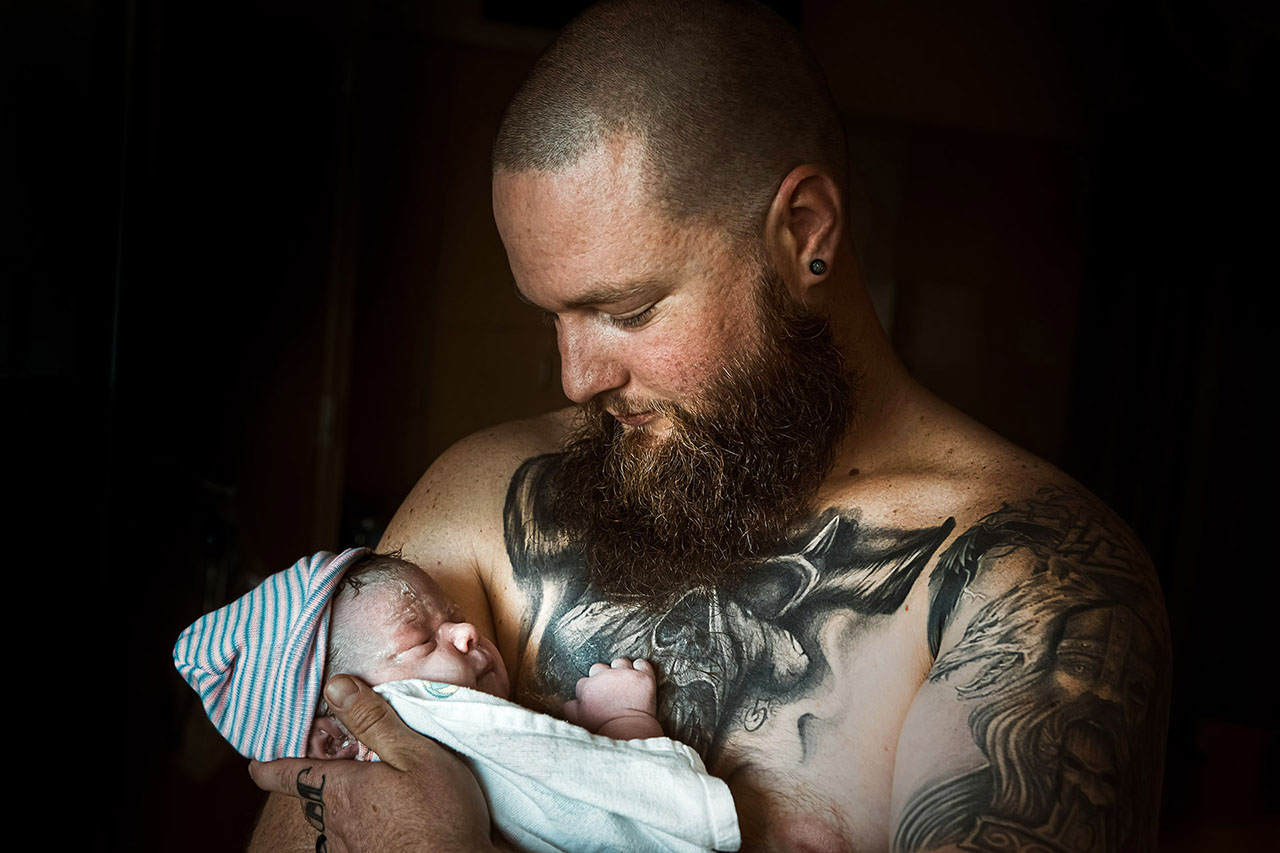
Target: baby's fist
point(624, 689)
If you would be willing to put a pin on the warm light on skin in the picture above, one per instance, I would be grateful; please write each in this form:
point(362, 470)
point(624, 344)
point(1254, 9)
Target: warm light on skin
point(585, 245)
point(414, 632)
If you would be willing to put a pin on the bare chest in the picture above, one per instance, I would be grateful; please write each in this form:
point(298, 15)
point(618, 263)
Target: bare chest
point(793, 682)
point(815, 774)
point(803, 732)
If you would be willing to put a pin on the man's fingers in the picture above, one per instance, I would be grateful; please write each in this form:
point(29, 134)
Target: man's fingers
point(370, 720)
point(287, 774)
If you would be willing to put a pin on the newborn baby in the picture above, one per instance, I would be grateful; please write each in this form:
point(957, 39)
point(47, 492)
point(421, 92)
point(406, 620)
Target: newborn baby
point(259, 665)
point(391, 622)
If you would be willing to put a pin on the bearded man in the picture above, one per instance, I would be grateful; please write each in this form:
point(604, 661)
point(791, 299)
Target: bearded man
point(841, 581)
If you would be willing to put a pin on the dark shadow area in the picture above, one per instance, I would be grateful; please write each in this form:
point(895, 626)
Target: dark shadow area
point(252, 288)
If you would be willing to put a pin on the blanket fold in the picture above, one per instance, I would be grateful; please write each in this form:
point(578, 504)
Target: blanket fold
point(553, 786)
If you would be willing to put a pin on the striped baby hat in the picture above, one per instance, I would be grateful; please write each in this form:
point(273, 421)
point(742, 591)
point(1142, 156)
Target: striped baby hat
point(258, 663)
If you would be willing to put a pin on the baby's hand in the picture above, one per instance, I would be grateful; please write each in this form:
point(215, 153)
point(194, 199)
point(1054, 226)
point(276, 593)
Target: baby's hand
point(618, 700)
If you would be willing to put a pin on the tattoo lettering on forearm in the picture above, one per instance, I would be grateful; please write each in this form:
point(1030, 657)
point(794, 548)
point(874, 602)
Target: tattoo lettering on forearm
point(1065, 673)
point(727, 657)
point(313, 807)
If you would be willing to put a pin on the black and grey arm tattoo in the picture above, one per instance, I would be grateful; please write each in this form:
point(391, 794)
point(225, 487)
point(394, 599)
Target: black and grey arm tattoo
point(1063, 671)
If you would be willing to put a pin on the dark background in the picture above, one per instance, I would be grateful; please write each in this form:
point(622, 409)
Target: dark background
point(252, 287)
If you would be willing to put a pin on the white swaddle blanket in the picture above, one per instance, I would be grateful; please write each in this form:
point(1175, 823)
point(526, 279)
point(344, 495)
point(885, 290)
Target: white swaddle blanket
point(553, 786)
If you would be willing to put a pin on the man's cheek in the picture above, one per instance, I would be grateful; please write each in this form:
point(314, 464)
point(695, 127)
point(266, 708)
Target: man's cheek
point(681, 369)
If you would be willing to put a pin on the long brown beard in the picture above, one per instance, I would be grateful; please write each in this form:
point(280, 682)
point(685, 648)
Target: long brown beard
point(657, 517)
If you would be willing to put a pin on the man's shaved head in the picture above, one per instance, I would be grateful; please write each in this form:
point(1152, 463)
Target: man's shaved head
point(722, 94)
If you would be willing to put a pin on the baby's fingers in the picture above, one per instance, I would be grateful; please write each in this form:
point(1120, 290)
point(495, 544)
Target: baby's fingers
point(573, 711)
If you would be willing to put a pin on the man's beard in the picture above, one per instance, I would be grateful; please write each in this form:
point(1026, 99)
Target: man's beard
point(657, 517)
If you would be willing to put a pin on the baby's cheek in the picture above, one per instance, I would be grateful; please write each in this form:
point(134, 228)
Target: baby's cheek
point(393, 668)
point(416, 664)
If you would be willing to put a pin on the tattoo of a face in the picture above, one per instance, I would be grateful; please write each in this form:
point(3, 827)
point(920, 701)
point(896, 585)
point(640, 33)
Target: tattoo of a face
point(1065, 675)
point(313, 807)
point(728, 657)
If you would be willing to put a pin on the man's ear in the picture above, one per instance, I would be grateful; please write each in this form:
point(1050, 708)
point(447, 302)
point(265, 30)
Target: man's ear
point(328, 740)
point(804, 224)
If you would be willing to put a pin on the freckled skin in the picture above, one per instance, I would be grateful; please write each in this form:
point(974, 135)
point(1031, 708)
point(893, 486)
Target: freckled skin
point(698, 286)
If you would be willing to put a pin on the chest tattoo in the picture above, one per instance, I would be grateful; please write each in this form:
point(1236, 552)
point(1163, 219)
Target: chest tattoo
point(727, 658)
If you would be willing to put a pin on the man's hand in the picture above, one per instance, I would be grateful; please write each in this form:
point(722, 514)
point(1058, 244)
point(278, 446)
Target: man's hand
point(419, 796)
point(618, 700)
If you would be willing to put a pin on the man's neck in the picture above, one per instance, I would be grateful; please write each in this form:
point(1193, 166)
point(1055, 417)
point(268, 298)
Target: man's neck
point(888, 399)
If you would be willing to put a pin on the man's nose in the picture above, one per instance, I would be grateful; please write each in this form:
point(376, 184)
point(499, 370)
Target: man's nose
point(588, 364)
point(461, 635)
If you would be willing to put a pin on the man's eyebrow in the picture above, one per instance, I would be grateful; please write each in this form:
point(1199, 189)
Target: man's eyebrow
point(602, 294)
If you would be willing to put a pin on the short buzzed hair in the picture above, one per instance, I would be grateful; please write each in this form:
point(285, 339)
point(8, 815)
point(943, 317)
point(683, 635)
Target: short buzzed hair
point(722, 94)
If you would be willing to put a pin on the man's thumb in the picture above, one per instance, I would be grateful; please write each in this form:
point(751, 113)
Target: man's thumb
point(369, 719)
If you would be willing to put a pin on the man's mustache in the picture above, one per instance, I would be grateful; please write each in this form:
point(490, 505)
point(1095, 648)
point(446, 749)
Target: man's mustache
point(614, 403)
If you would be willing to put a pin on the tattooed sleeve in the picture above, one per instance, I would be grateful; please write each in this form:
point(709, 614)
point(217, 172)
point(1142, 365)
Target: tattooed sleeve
point(1062, 672)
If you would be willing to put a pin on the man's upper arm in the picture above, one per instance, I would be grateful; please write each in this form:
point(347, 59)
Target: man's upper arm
point(1042, 722)
point(451, 524)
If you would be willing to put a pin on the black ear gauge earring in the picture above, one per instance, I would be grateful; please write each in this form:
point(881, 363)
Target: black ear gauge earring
point(817, 266)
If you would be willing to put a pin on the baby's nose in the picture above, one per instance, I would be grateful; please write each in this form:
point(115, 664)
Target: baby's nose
point(462, 635)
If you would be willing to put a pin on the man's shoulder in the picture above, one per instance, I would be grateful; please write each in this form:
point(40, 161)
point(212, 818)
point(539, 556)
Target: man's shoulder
point(1017, 524)
point(1015, 507)
point(462, 492)
point(496, 452)
point(1039, 538)
point(1008, 493)
point(1048, 636)
point(952, 468)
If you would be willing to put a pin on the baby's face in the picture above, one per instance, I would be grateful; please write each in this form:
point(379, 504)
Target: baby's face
point(387, 633)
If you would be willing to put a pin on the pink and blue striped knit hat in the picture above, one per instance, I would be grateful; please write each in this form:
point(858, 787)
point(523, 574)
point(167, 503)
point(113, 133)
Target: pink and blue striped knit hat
point(258, 663)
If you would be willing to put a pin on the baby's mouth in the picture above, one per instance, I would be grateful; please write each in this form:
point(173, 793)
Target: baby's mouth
point(488, 677)
point(485, 664)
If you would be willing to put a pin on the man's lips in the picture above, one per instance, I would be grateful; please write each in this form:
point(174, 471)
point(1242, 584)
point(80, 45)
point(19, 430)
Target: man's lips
point(633, 420)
